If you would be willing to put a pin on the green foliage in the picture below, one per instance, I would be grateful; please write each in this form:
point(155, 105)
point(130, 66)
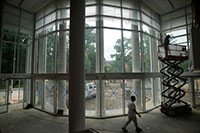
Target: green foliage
point(90, 51)
point(116, 65)
point(13, 43)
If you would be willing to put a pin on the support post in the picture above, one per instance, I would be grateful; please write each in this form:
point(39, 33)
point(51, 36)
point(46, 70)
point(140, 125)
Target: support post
point(62, 64)
point(76, 67)
point(136, 64)
point(1, 30)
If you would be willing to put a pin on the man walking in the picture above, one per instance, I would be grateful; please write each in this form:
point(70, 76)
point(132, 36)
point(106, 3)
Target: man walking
point(132, 115)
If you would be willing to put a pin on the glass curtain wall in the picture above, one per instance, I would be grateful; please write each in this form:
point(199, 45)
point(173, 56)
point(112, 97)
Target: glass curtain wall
point(121, 36)
point(52, 55)
point(16, 50)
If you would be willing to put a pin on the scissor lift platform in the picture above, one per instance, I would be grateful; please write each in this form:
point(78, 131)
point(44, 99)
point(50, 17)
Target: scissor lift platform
point(172, 56)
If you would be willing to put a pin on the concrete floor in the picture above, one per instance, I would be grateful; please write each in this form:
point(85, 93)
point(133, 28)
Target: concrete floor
point(34, 121)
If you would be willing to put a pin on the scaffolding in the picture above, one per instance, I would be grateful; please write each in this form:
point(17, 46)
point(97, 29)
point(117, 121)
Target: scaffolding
point(172, 56)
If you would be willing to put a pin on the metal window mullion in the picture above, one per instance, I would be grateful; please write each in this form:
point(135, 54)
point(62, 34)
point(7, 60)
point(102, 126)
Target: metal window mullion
point(44, 65)
point(55, 62)
point(55, 90)
point(7, 86)
point(33, 65)
point(101, 57)
point(19, 37)
point(142, 61)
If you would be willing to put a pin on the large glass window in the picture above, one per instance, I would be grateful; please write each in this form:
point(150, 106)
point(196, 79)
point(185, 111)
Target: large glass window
point(116, 42)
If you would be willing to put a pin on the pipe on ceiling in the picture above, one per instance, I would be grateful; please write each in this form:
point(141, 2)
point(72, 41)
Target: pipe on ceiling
point(171, 4)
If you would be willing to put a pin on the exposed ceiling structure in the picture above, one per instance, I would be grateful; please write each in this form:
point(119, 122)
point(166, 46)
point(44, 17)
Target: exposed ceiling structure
point(29, 5)
point(160, 6)
point(164, 6)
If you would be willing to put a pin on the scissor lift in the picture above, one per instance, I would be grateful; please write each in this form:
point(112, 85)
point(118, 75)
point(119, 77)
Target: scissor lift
point(172, 56)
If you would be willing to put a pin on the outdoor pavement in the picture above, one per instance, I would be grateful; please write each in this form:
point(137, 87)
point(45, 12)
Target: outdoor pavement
point(34, 121)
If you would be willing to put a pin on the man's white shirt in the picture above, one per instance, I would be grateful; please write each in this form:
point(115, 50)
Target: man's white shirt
point(131, 109)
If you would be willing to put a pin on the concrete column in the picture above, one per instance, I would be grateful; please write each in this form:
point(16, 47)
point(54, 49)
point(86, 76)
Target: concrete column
point(1, 30)
point(192, 90)
point(61, 68)
point(76, 67)
point(100, 65)
point(41, 68)
point(136, 64)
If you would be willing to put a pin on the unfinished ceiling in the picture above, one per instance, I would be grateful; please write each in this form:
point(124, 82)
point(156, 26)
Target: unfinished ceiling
point(164, 6)
point(29, 5)
point(160, 6)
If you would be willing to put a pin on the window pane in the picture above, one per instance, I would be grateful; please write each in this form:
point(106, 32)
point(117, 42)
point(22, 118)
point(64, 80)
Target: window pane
point(111, 11)
point(7, 57)
point(149, 93)
point(50, 55)
point(63, 96)
point(39, 23)
point(90, 98)
point(131, 25)
point(22, 58)
point(50, 28)
point(50, 88)
point(177, 40)
point(146, 18)
point(90, 10)
point(112, 51)
point(146, 53)
point(91, 22)
point(113, 97)
point(63, 13)
point(39, 88)
point(90, 50)
point(132, 14)
point(132, 52)
point(66, 22)
point(146, 28)
point(111, 22)
point(156, 25)
point(50, 18)
point(177, 32)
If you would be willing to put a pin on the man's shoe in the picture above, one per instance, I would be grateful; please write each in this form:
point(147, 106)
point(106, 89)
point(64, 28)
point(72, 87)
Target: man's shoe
point(124, 130)
point(138, 129)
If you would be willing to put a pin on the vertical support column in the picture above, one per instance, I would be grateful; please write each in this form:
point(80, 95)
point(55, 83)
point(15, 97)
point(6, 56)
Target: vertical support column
point(76, 67)
point(1, 30)
point(33, 65)
point(62, 67)
point(136, 64)
point(100, 63)
point(191, 88)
